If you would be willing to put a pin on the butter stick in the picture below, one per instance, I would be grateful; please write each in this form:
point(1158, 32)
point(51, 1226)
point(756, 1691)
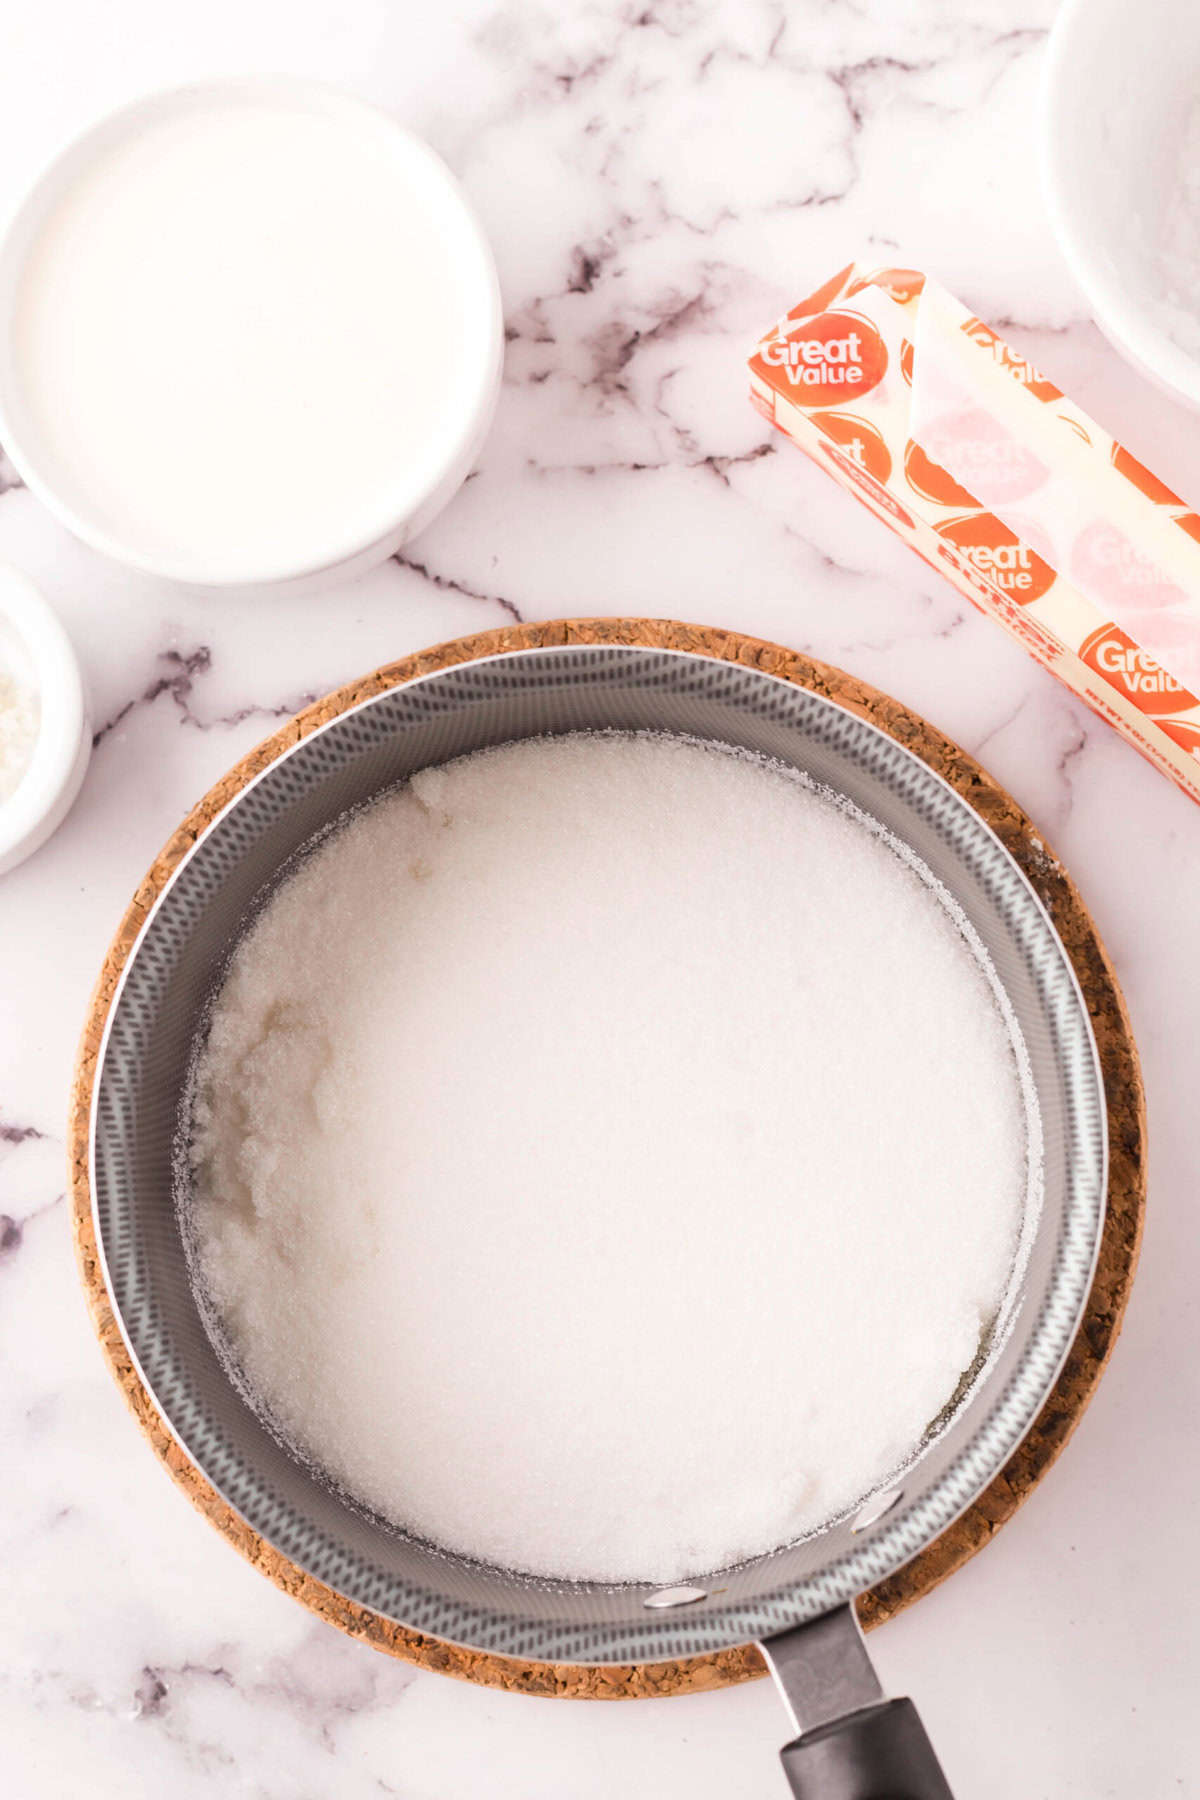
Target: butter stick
point(1006, 487)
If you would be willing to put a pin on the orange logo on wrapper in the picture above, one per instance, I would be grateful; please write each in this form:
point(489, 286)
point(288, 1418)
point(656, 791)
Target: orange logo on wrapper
point(1125, 666)
point(879, 498)
point(859, 440)
point(1143, 478)
point(901, 285)
point(931, 481)
point(1183, 733)
point(1073, 425)
point(1106, 562)
point(994, 466)
point(834, 357)
point(1011, 361)
point(999, 556)
point(824, 296)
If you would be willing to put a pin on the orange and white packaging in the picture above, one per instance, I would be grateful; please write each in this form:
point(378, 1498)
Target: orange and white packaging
point(1001, 483)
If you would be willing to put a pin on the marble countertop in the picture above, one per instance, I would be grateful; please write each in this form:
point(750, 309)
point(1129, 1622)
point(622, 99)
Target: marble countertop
point(660, 181)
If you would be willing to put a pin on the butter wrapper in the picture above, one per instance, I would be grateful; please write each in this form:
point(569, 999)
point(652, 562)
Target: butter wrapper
point(1005, 487)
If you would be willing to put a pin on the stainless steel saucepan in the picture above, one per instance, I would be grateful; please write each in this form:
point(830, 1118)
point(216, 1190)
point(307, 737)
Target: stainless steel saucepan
point(852, 1743)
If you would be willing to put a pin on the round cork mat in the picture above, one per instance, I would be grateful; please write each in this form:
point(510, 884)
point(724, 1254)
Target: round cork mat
point(1118, 1250)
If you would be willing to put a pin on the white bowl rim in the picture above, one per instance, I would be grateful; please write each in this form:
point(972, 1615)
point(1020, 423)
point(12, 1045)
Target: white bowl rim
point(62, 746)
point(443, 473)
point(1150, 347)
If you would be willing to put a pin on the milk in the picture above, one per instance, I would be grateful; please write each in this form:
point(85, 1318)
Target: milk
point(246, 331)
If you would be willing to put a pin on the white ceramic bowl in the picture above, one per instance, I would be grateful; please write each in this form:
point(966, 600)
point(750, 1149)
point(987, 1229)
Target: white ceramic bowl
point(1120, 108)
point(402, 493)
point(35, 646)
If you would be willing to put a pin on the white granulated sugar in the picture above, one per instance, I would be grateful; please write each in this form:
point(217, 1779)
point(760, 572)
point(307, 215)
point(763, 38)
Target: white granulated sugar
point(608, 1154)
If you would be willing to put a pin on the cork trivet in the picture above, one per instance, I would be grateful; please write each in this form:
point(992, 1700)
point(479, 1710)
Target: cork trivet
point(1118, 1250)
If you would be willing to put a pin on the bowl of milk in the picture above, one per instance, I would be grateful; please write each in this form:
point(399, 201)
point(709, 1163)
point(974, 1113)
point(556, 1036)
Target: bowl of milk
point(250, 334)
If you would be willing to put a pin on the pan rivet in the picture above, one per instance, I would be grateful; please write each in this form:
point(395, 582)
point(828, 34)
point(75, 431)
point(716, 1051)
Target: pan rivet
point(875, 1509)
point(680, 1596)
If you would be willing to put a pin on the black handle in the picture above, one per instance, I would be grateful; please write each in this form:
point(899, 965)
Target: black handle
point(879, 1753)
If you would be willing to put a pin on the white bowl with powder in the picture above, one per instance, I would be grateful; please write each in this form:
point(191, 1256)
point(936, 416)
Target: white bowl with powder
point(1120, 138)
point(250, 334)
point(45, 730)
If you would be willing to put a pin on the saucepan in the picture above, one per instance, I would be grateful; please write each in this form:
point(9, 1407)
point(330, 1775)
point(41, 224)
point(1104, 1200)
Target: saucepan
point(797, 1602)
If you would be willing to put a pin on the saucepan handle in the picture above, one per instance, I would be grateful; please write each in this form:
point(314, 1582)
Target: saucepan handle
point(854, 1744)
point(880, 1753)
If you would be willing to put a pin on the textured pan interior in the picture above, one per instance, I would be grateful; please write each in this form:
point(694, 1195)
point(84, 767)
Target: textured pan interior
point(179, 958)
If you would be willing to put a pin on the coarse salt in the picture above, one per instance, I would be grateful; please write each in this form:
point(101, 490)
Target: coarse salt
point(20, 714)
point(608, 1155)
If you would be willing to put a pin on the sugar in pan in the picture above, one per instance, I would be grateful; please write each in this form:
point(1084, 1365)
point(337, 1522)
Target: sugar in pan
point(609, 1155)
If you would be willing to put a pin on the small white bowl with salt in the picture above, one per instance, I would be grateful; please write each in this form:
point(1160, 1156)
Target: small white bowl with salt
point(45, 730)
point(1120, 140)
